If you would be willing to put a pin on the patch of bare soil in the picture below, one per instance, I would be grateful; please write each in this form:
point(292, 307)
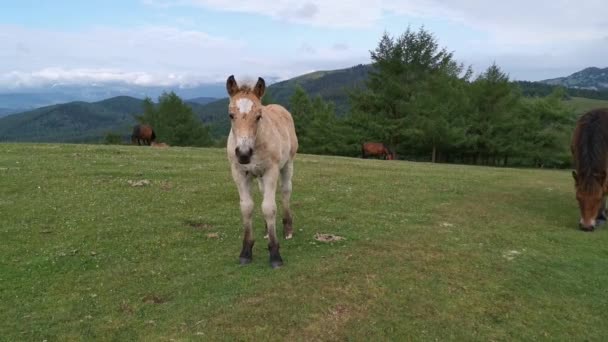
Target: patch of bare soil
point(138, 183)
point(198, 225)
point(153, 299)
point(328, 237)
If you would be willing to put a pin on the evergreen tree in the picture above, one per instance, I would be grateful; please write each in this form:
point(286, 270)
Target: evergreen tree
point(412, 93)
point(174, 122)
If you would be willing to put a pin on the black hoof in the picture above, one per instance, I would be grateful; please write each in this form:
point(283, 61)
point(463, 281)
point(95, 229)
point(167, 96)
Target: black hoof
point(588, 229)
point(244, 261)
point(276, 264)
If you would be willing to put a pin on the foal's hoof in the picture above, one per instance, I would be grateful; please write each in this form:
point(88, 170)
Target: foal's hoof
point(244, 261)
point(587, 229)
point(276, 264)
point(288, 236)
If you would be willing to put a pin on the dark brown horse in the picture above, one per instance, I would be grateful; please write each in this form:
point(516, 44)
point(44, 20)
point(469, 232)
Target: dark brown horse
point(143, 133)
point(590, 154)
point(376, 149)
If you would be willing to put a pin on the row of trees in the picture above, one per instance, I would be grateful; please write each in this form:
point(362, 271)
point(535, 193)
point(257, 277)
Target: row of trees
point(424, 104)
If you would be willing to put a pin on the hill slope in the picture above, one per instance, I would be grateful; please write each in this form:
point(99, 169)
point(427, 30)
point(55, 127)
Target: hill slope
point(432, 252)
point(72, 122)
point(589, 78)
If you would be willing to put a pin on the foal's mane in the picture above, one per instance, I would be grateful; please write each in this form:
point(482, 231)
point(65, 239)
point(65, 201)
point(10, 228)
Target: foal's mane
point(591, 148)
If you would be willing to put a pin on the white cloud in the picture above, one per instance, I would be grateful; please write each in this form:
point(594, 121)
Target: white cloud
point(515, 21)
point(147, 56)
point(142, 56)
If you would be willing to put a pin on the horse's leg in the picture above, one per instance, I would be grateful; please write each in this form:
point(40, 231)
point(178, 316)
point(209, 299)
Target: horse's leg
point(261, 186)
point(286, 175)
point(243, 183)
point(601, 214)
point(269, 208)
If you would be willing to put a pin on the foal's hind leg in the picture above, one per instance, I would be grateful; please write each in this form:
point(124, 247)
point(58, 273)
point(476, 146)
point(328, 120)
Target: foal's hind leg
point(286, 175)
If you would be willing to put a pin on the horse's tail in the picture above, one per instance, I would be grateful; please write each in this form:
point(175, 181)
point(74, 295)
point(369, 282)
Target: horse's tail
point(153, 137)
point(362, 150)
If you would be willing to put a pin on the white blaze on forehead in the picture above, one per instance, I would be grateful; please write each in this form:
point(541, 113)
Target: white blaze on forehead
point(244, 105)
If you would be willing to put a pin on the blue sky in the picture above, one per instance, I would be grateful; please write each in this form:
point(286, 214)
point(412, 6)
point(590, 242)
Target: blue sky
point(186, 42)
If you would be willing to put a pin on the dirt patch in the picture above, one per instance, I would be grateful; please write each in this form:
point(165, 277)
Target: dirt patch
point(166, 186)
point(126, 308)
point(328, 237)
point(213, 236)
point(198, 225)
point(511, 255)
point(153, 299)
point(339, 311)
point(139, 183)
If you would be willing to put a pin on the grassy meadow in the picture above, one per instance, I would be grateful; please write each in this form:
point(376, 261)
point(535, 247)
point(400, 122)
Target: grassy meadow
point(431, 252)
point(582, 105)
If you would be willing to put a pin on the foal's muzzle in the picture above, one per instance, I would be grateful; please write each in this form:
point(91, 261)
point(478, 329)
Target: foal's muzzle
point(243, 155)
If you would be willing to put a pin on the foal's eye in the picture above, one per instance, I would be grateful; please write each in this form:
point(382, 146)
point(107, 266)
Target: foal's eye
point(231, 116)
point(258, 118)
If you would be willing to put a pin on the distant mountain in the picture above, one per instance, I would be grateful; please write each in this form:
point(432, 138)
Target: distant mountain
point(72, 122)
point(202, 100)
point(7, 111)
point(39, 97)
point(589, 78)
point(537, 89)
point(332, 85)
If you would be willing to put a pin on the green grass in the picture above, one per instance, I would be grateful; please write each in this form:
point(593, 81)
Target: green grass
point(432, 252)
point(582, 105)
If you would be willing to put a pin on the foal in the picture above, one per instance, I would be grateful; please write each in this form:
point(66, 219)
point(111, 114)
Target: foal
point(262, 143)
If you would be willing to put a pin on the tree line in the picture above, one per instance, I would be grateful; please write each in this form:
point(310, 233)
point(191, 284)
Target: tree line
point(419, 101)
point(426, 106)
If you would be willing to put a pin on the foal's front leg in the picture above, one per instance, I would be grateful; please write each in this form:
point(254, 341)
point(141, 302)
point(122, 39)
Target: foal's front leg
point(269, 208)
point(261, 186)
point(243, 183)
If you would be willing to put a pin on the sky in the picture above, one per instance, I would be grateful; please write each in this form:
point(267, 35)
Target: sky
point(188, 42)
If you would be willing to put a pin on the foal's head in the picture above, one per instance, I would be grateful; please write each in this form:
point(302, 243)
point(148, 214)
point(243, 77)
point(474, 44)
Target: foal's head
point(590, 190)
point(245, 111)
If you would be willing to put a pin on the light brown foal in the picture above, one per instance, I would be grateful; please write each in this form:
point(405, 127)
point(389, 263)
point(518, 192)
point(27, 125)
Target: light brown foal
point(262, 144)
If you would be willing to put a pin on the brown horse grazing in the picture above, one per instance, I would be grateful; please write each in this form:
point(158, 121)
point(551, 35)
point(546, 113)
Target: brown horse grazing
point(262, 144)
point(376, 149)
point(143, 133)
point(590, 154)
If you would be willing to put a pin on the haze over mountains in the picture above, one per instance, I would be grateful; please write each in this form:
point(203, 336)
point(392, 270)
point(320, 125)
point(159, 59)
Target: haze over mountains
point(99, 110)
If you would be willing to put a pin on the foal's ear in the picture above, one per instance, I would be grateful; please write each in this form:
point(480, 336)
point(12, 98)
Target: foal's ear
point(260, 88)
point(231, 87)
